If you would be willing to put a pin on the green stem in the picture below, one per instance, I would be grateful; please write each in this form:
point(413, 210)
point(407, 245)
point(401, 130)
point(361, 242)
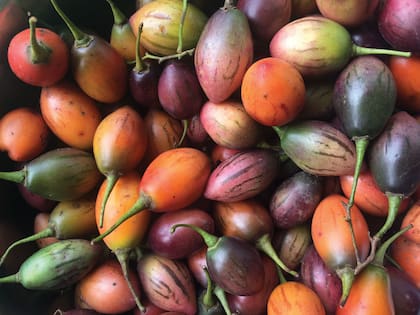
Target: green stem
point(14, 176)
point(394, 201)
point(221, 296)
point(361, 145)
point(380, 254)
point(181, 26)
point(119, 16)
point(279, 131)
point(264, 244)
point(185, 124)
point(209, 239)
point(360, 51)
point(142, 203)
point(39, 52)
point(282, 278)
point(48, 232)
point(80, 38)
point(346, 275)
point(140, 65)
point(10, 279)
point(208, 299)
point(122, 256)
point(111, 180)
point(189, 52)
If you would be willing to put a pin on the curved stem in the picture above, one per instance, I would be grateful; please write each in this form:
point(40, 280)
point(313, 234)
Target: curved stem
point(346, 275)
point(39, 53)
point(380, 254)
point(394, 201)
point(208, 298)
point(185, 124)
point(142, 203)
point(80, 38)
point(122, 256)
point(360, 51)
point(361, 145)
point(111, 180)
point(119, 16)
point(221, 296)
point(264, 244)
point(48, 232)
point(208, 238)
point(140, 65)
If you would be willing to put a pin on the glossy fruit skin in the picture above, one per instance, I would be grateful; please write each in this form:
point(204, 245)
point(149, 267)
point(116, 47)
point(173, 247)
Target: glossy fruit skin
point(407, 255)
point(293, 298)
point(167, 283)
point(122, 196)
point(223, 53)
point(182, 242)
point(364, 97)
point(176, 170)
point(404, 70)
point(370, 293)
point(316, 31)
point(143, 84)
point(24, 134)
point(179, 91)
point(242, 176)
point(331, 233)
point(256, 304)
point(390, 156)
point(75, 174)
point(42, 73)
point(295, 199)
point(318, 148)
point(59, 265)
point(160, 36)
point(105, 290)
point(276, 100)
point(71, 114)
point(412, 216)
point(397, 21)
point(317, 276)
point(235, 265)
point(229, 125)
point(248, 219)
point(99, 70)
point(349, 13)
point(120, 141)
point(265, 19)
point(369, 197)
point(405, 294)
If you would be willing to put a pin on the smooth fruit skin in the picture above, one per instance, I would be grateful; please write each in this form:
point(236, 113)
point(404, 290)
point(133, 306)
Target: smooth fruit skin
point(406, 254)
point(105, 290)
point(223, 53)
point(294, 298)
point(315, 45)
point(175, 178)
point(24, 134)
point(279, 97)
point(369, 197)
point(125, 192)
point(167, 283)
point(71, 114)
point(43, 73)
point(370, 294)
point(331, 233)
point(349, 12)
point(405, 70)
point(161, 19)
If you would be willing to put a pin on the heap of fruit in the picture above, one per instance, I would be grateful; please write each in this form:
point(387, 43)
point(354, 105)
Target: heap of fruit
point(210, 157)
